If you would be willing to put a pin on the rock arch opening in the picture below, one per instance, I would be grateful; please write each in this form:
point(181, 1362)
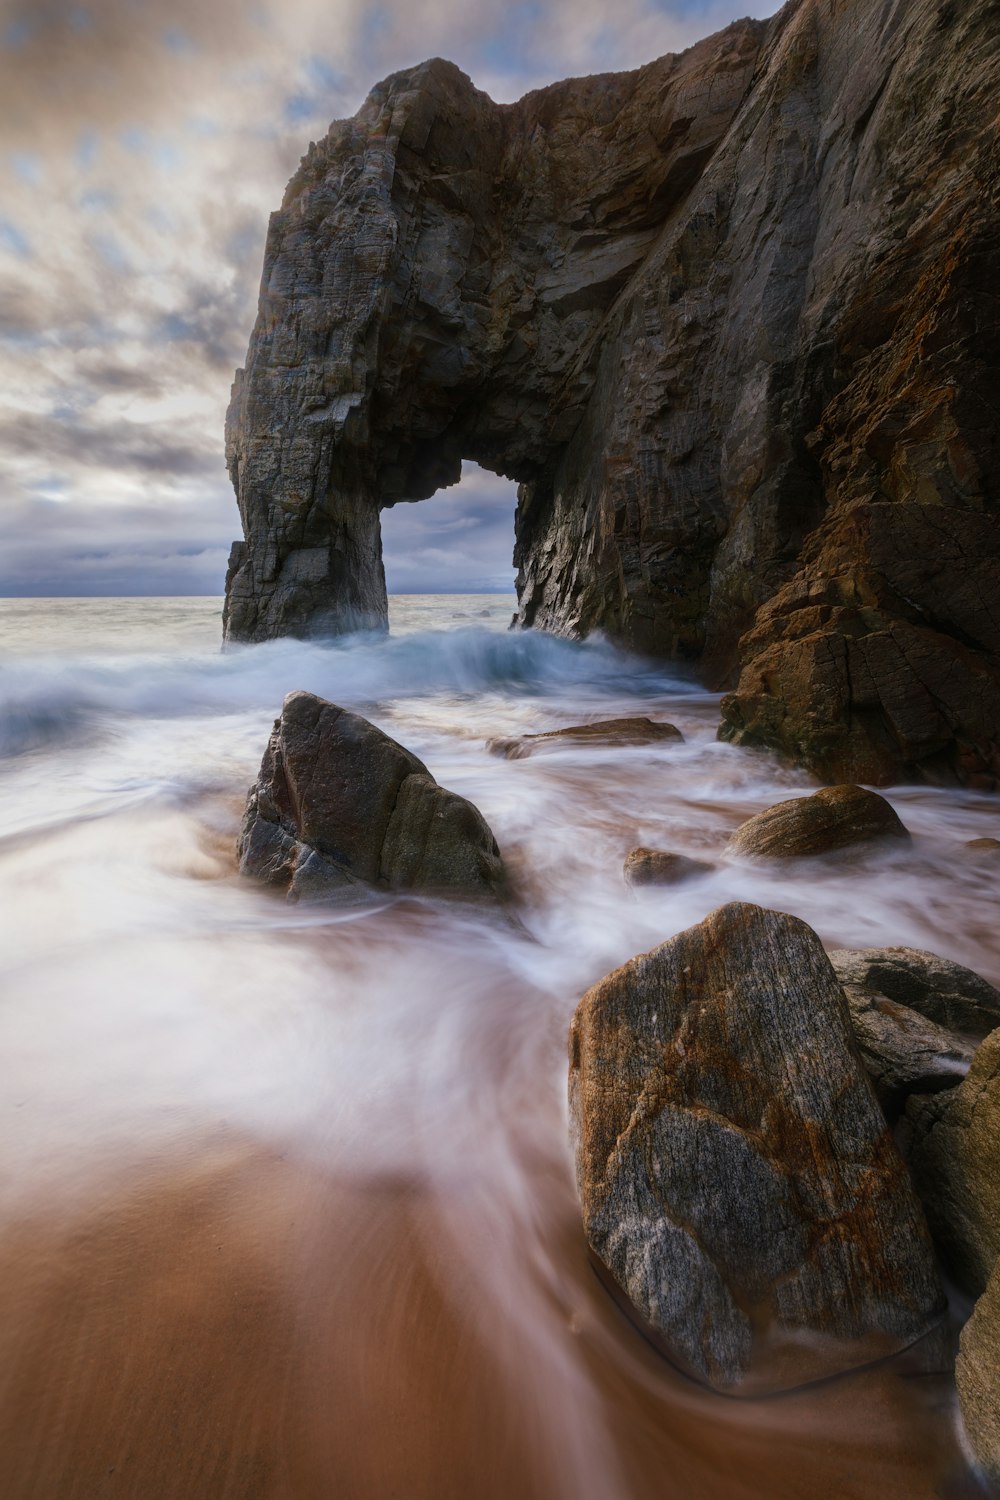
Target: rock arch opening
point(459, 541)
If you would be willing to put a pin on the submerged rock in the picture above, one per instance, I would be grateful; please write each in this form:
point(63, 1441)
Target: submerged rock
point(953, 1141)
point(977, 1375)
point(638, 731)
point(661, 867)
point(736, 1174)
point(339, 809)
point(836, 817)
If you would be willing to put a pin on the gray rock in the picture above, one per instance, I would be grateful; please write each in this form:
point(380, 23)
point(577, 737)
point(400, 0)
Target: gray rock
point(951, 1141)
point(916, 1018)
point(636, 731)
point(727, 319)
point(340, 809)
point(977, 1375)
point(836, 817)
point(662, 867)
point(736, 1174)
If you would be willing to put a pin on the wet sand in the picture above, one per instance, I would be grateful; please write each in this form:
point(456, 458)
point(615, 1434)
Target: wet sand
point(238, 1325)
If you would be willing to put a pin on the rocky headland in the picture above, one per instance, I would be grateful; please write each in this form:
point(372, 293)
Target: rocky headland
point(729, 320)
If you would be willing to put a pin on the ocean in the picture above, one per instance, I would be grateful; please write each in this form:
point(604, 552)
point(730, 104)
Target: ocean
point(287, 1202)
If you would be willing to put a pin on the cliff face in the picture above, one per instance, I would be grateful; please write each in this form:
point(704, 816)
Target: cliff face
point(729, 320)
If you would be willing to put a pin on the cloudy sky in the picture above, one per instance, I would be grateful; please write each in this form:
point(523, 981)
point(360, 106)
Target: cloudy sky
point(142, 145)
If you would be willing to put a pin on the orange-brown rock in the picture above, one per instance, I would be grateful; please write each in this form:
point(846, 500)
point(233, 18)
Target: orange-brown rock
point(662, 867)
point(977, 1375)
point(952, 1147)
point(882, 658)
point(637, 731)
point(737, 1177)
point(835, 817)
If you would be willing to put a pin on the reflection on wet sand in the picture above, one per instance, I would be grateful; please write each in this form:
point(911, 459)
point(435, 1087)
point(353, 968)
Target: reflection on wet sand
point(238, 1324)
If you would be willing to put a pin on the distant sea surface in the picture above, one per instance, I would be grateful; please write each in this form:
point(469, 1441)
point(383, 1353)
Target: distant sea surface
point(287, 1204)
point(116, 625)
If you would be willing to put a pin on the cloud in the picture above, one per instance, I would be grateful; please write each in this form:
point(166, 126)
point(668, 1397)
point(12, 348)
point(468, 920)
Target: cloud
point(459, 541)
point(144, 146)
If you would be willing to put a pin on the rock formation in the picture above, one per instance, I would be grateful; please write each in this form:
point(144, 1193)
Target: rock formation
point(662, 867)
point(977, 1374)
point(729, 320)
point(340, 809)
point(916, 1017)
point(606, 732)
point(952, 1151)
point(939, 989)
point(836, 817)
point(737, 1177)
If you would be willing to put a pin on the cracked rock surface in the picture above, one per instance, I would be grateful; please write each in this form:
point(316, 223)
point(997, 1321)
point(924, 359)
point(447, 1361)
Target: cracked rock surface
point(730, 322)
point(917, 1018)
point(340, 809)
point(737, 1177)
point(952, 1151)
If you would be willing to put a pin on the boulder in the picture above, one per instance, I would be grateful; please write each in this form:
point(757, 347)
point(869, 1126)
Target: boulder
point(638, 731)
point(952, 1145)
point(917, 1018)
point(977, 1375)
point(339, 809)
point(836, 817)
point(737, 1177)
point(945, 992)
point(661, 867)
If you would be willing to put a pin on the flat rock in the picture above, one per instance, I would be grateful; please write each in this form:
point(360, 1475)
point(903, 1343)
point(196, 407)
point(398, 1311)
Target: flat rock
point(917, 1018)
point(340, 809)
point(977, 1375)
point(952, 1145)
point(638, 731)
point(737, 1177)
point(836, 817)
point(662, 867)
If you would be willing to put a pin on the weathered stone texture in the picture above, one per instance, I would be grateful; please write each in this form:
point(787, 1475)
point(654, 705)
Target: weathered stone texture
point(952, 1150)
point(662, 867)
point(609, 733)
point(916, 1017)
point(977, 1374)
point(737, 1176)
point(730, 322)
point(340, 808)
point(835, 817)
